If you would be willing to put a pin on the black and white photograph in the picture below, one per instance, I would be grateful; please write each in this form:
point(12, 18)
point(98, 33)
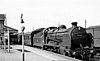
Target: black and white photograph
point(49, 30)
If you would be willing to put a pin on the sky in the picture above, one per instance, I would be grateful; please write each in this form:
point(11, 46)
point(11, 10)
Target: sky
point(46, 13)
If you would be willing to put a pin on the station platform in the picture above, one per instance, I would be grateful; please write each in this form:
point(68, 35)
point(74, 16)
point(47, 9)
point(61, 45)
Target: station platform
point(31, 54)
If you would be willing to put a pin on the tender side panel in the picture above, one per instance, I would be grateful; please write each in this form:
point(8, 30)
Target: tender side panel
point(27, 39)
point(38, 39)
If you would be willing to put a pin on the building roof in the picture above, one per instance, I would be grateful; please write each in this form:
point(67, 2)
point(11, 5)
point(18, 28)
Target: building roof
point(94, 27)
point(11, 30)
point(2, 16)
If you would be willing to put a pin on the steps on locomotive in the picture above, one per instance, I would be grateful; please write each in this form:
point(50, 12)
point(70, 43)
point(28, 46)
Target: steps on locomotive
point(51, 47)
point(97, 49)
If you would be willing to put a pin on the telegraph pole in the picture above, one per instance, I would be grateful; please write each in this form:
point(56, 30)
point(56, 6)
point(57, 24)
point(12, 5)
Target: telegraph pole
point(22, 29)
point(85, 23)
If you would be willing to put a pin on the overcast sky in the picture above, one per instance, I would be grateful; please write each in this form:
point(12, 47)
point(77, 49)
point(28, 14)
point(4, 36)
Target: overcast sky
point(45, 13)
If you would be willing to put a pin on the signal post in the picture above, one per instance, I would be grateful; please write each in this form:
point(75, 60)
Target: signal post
point(22, 29)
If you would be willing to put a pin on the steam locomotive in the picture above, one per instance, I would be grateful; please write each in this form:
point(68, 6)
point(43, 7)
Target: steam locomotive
point(74, 42)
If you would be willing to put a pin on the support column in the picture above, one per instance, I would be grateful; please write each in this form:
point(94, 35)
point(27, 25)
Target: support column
point(8, 42)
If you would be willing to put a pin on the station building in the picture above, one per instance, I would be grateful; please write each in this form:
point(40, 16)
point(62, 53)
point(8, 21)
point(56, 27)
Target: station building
point(13, 34)
point(95, 31)
point(6, 30)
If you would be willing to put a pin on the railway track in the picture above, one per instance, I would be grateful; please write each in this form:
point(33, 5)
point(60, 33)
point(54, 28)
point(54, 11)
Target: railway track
point(96, 57)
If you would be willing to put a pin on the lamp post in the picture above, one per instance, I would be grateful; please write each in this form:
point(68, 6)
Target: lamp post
point(22, 29)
